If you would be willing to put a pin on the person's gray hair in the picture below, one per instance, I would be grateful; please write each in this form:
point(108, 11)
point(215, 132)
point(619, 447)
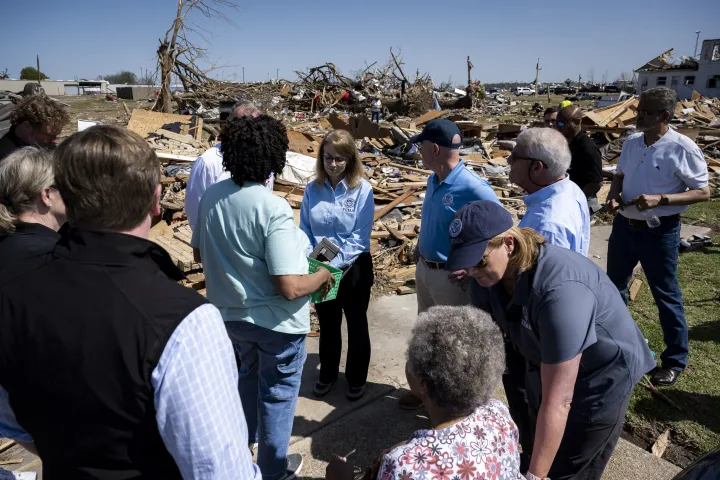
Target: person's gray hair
point(547, 145)
point(244, 108)
point(24, 174)
point(666, 98)
point(460, 353)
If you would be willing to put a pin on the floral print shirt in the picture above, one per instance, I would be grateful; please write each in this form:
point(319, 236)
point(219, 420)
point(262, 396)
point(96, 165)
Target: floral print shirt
point(483, 446)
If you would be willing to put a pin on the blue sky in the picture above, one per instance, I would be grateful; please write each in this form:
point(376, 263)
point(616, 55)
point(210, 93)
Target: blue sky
point(84, 38)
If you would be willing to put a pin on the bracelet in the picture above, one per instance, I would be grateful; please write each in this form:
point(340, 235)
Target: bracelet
point(530, 476)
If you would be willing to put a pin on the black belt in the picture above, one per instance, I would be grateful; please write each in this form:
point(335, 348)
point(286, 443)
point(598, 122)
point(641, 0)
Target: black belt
point(643, 223)
point(433, 265)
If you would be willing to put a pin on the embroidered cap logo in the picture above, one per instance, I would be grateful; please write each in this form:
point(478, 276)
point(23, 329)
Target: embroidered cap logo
point(455, 228)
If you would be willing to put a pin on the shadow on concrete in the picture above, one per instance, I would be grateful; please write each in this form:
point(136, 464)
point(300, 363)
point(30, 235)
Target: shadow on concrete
point(319, 412)
point(705, 332)
point(700, 408)
point(379, 426)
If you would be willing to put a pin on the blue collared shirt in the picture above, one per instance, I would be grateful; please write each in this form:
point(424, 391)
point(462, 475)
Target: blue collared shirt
point(197, 405)
point(442, 200)
point(343, 215)
point(560, 213)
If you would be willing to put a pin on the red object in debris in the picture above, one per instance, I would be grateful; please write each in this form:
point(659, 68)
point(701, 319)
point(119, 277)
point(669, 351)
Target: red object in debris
point(111, 98)
point(346, 97)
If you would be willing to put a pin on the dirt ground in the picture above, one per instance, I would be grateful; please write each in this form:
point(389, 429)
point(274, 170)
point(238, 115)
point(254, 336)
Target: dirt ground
point(97, 109)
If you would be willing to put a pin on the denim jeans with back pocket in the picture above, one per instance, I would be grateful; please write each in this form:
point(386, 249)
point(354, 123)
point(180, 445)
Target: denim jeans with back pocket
point(270, 370)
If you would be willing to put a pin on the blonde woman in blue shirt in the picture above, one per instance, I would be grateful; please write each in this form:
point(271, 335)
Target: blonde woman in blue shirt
point(339, 206)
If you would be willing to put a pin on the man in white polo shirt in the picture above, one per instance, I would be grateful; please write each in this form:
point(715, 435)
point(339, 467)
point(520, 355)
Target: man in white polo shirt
point(659, 174)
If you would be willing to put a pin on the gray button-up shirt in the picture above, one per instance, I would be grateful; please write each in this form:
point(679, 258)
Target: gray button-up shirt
point(565, 306)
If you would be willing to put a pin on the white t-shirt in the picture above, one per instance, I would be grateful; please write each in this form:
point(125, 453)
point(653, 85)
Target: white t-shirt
point(673, 164)
point(376, 105)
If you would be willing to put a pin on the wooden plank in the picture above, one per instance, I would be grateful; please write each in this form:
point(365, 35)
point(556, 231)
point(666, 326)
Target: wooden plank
point(403, 290)
point(661, 444)
point(386, 209)
point(7, 445)
point(431, 115)
point(397, 235)
point(177, 137)
point(195, 129)
point(384, 235)
point(184, 234)
point(143, 122)
point(635, 288)
point(402, 273)
point(412, 169)
point(383, 191)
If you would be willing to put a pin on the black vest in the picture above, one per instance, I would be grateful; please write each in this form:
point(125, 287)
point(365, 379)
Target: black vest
point(81, 331)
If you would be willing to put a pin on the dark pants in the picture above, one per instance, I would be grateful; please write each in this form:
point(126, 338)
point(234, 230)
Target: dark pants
point(514, 384)
point(657, 251)
point(353, 299)
point(376, 117)
point(586, 447)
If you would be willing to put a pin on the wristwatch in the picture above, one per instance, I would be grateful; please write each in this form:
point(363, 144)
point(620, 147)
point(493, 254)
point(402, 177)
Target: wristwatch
point(664, 200)
point(530, 476)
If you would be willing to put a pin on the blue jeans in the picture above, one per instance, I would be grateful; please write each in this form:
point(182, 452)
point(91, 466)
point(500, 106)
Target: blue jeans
point(657, 251)
point(376, 117)
point(270, 370)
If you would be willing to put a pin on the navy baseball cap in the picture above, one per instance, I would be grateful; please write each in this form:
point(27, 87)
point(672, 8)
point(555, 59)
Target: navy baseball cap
point(440, 132)
point(471, 229)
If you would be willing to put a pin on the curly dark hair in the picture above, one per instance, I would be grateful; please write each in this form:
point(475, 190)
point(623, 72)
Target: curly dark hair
point(253, 148)
point(39, 110)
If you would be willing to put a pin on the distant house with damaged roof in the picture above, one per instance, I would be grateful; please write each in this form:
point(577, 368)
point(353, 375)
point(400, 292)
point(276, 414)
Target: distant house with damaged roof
point(684, 74)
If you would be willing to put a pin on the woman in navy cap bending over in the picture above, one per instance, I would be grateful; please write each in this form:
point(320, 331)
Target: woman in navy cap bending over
point(583, 351)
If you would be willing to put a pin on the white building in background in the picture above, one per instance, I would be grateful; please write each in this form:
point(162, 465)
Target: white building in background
point(60, 87)
point(686, 74)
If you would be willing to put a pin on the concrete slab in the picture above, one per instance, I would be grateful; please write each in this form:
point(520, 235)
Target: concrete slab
point(391, 320)
point(377, 423)
point(600, 235)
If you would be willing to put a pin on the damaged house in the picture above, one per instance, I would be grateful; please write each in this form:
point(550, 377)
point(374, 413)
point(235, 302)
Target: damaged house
point(684, 74)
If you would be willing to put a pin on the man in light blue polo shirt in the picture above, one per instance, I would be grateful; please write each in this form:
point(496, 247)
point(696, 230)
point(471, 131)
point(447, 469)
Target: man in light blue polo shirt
point(451, 186)
point(556, 207)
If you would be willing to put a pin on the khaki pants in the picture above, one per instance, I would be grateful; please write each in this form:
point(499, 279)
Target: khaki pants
point(433, 287)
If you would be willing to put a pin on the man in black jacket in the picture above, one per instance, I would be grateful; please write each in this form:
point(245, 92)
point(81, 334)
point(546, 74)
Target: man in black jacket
point(586, 164)
point(109, 369)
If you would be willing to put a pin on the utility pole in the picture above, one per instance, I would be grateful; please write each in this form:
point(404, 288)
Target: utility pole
point(697, 39)
point(470, 67)
point(537, 74)
point(277, 74)
point(243, 74)
point(38, 68)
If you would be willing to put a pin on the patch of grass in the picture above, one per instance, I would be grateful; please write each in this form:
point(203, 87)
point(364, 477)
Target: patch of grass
point(696, 426)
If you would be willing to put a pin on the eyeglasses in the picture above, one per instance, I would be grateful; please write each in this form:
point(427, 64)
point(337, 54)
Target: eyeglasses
point(338, 160)
point(513, 157)
point(560, 123)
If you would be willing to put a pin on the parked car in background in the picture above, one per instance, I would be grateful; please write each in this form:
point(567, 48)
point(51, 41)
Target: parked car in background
point(520, 91)
point(563, 90)
point(612, 88)
point(492, 90)
point(590, 88)
point(579, 97)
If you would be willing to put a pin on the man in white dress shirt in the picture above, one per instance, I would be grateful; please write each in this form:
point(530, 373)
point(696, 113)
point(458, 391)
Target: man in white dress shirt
point(659, 174)
point(208, 168)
